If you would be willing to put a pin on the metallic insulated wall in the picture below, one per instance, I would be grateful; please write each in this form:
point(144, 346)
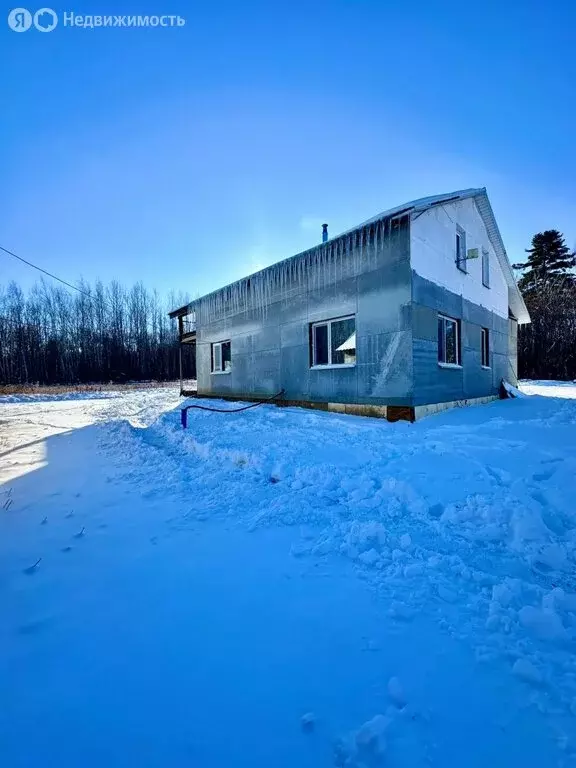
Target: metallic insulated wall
point(267, 318)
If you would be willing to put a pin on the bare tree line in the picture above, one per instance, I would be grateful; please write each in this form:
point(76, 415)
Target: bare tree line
point(113, 333)
point(547, 346)
point(106, 333)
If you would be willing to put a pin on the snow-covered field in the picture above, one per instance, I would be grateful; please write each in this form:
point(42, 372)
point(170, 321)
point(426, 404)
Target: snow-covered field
point(282, 587)
point(550, 388)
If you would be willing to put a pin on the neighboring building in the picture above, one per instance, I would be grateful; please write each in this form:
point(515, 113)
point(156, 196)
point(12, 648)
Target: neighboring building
point(411, 311)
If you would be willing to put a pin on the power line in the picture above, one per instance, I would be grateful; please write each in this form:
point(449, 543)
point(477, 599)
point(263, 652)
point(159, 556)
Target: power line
point(100, 299)
point(59, 279)
point(45, 271)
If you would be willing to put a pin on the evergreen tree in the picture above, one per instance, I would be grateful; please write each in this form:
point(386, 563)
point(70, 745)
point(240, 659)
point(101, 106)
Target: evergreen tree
point(549, 261)
point(547, 346)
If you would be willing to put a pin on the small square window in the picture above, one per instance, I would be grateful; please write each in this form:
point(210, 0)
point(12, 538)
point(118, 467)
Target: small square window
point(221, 357)
point(334, 342)
point(461, 249)
point(485, 268)
point(448, 340)
point(485, 347)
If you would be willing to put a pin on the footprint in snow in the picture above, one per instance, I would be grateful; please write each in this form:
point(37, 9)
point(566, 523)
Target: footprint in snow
point(32, 568)
point(34, 626)
point(547, 474)
point(499, 476)
point(540, 477)
point(436, 511)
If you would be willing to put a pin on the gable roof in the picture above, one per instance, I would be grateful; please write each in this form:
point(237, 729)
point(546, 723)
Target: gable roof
point(515, 300)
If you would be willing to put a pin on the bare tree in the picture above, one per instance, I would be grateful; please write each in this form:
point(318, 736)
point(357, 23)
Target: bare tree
point(105, 333)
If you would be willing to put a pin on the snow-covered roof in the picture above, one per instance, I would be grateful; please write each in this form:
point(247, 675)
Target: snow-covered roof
point(515, 300)
point(415, 205)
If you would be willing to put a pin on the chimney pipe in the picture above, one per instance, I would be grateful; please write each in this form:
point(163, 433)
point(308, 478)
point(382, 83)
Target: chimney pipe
point(324, 232)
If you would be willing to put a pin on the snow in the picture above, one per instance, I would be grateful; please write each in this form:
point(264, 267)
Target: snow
point(525, 670)
point(545, 624)
point(549, 388)
point(308, 720)
point(287, 587)
point(511, 390)
point(396, 692)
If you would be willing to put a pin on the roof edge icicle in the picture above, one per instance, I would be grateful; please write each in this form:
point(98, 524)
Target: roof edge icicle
point(480, 196)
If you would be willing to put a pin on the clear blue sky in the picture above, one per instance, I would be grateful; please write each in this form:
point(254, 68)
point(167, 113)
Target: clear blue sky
point(188, 157)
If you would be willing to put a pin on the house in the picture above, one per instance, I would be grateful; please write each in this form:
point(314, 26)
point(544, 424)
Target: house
point(413, 311)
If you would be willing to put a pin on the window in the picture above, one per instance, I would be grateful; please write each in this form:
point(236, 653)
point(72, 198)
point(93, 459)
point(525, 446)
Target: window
point(485, 268)
point(221, 357)
point(460, 249)
point(448, 340)
point(485, 344)
point(334, 342)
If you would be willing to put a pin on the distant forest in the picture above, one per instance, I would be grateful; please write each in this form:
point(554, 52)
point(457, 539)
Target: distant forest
point(101, 333)
point(109, 333)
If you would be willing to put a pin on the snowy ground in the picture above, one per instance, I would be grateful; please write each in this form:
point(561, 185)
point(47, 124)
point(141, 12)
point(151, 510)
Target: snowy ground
point(550, 388)
point(282, 587)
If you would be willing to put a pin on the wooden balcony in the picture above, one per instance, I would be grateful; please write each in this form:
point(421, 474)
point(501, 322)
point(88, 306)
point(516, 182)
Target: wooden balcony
point(186, 324)
point(187, 330)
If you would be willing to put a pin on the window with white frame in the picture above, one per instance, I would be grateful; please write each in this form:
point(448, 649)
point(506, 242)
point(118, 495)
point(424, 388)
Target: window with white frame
point(461, 249)
point(221, 357)
point(485, 347)
point(334, 342)
point(448, 340)
point(485, 268)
